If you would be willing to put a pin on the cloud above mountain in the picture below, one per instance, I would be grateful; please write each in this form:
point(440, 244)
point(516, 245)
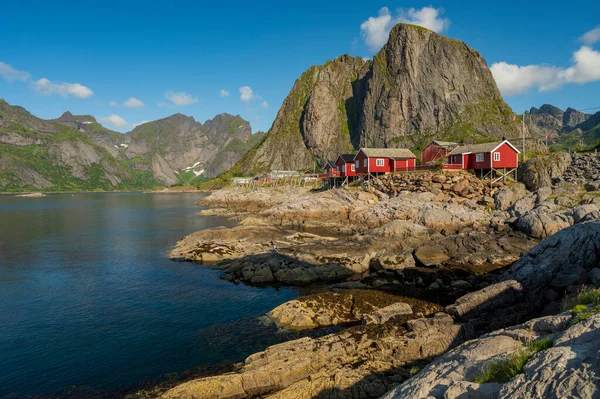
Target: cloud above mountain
point(375, 31)
point(515, 79)
point(11, 74)
point(114, 120)
point(180, 99)
point(591, 37)
point(44, 86)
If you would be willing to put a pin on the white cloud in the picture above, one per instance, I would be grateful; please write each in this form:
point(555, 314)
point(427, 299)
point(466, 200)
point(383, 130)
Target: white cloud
point(427, 17)
point(375, 31)
point(591, 36)
point(46, 87)
point(163, 104)
point(586, 68)
point(11, 74)
point(224, 93)
point(113, 104)
point(246, 94)
point(114, 120)
point(133, 103)
point(180, 99)
point(514, 79)
point(136, 124)
point(264, 105)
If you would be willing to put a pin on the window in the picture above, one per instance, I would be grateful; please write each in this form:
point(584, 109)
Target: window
point(356, 162)
point(366, 162)
point(352, 168)
point(379, 162)
point(339, 168)
point(496, 156)
point(479, 157)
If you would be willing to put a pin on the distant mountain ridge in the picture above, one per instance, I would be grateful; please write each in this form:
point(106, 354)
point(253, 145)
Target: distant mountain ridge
point(75, 152)
point(420, 86)
point(569, 128)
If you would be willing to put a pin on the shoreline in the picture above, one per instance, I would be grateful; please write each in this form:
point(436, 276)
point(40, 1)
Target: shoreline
point(426, 238)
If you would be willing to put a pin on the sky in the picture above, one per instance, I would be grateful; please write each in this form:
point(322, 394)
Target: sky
point(126, 62)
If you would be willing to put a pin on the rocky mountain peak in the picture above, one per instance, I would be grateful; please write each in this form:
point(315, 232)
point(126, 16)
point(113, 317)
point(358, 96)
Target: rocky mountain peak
point(571, 118)
point(548, 109)
point(419, 86)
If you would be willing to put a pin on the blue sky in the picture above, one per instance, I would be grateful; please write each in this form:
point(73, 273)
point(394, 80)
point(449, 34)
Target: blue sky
point(179, 56)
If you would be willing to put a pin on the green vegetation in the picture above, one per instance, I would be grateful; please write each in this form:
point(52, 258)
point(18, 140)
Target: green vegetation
point(584, 305)
point(414, 370)
point(505, 369)
point(587, 297)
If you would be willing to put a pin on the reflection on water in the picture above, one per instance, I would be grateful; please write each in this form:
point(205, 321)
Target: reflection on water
point(89, 298)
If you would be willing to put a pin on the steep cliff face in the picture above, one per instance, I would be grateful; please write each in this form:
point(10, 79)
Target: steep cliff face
point(420, 85)
point(318, 119)
point(426, 85)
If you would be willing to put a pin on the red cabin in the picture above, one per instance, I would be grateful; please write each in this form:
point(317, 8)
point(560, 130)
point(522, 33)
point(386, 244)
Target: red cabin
point(502, 155)
point(437, 151)
point(331, 169)
point(345, 165)
point(384, 160)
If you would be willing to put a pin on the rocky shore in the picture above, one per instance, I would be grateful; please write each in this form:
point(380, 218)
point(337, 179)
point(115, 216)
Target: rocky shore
point(416, 264)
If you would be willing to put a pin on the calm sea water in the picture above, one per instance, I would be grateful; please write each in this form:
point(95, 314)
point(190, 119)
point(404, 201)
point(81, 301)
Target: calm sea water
point(89, 298)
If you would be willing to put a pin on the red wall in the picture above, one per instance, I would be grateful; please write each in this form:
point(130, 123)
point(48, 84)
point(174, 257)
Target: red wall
point(330, 171)
point(361, 169)
point(404, 164)
point(346, 167)
point(473, 164)
point(509, 158)
point(388, 164)
point(433, 152)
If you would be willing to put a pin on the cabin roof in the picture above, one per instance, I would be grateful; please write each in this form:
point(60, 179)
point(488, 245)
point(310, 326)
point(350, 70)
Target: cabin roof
point(449, 145)
point(348, 158)
point(475, 148)
point(394, 153)
point(485, 147)
point(330, 163)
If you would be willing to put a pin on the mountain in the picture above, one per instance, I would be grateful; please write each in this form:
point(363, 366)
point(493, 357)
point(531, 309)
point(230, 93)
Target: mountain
point(419, 86)
point(75, 152)
point(569, 129)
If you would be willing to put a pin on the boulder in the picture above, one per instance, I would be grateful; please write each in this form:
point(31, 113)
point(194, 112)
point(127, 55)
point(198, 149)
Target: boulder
point(568, 252)
point(507, 196)
point(539, 172)
point(430, 255)
point(382, 315)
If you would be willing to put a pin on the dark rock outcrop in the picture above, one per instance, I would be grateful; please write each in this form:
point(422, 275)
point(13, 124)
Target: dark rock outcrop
point(539, 172)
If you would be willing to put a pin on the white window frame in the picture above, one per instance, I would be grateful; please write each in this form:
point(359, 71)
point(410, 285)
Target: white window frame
point(379, 162)
point(496, 157)
point(479, 157)
point(352, 168)
point(366, 162)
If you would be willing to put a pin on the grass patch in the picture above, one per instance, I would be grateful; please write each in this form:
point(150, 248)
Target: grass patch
point(414, 370)
point(587, 297)
point(503, 370)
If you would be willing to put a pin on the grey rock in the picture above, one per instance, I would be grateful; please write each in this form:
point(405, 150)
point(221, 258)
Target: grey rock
point(567, 253)
point(382, 315)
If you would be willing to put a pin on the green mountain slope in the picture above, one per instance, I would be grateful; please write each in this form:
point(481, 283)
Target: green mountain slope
point(75, 152)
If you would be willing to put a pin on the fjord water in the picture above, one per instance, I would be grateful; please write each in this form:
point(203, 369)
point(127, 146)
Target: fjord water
point(89, 298)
